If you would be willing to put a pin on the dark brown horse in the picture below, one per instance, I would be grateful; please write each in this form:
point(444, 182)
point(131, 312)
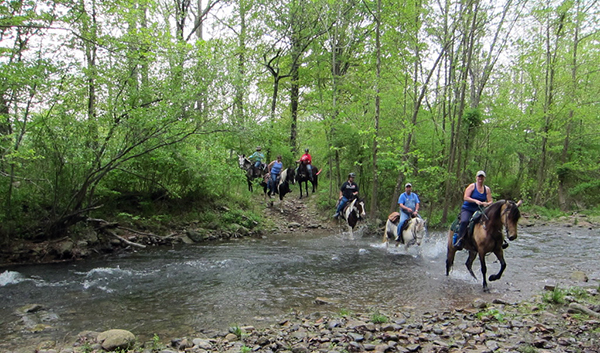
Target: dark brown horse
point(303, 176)
point(487, 237)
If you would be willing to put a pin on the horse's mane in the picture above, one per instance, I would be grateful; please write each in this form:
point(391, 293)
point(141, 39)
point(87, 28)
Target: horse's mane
point(493, 211)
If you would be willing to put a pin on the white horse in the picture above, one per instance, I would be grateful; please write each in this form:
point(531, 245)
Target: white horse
point(413, 234)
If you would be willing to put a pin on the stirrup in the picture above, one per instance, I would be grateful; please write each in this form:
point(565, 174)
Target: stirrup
point(459, 244)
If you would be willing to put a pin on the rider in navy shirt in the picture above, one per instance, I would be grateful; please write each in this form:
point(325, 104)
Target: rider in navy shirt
point(476, 195)
point(348, 191)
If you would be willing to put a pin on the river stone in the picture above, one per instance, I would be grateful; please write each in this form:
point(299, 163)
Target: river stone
point(231, 337)
point(197, 235)
point(479, 303)
point(579, 276)
point(202, 343)
point(30, 308)
point(294, 225)
point(116, 339)
point(325, 301)
point(186, 239)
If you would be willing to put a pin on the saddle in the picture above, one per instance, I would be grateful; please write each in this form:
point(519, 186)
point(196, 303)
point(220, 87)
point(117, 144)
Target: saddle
point(394, 217)
point(475, 218)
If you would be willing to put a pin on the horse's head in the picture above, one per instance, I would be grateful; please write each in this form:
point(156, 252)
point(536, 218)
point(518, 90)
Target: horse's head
point(290, 175)
point(510, 215)
point(359, 205)
point(418, 225)
point(244, 162)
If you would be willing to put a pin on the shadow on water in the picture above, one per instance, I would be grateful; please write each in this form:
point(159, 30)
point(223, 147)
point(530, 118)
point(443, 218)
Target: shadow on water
point(174, 292)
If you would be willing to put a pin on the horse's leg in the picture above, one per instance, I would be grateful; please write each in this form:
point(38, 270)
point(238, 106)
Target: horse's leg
point(306, 187)
point(469, 262)
point(450, 254)
point(300, 186)
point(385, 235)
point(500, 255)
point(483, 270)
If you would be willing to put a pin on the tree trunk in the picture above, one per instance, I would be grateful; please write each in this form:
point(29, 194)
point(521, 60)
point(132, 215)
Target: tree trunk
point(374, 207)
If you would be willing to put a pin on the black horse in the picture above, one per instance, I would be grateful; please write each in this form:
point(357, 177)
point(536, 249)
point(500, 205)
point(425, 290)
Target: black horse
point(251, 171)
point(303, 176)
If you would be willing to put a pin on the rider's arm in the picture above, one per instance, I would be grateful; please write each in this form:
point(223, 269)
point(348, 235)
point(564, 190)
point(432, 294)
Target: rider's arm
point(270, 166)
point(467, 195)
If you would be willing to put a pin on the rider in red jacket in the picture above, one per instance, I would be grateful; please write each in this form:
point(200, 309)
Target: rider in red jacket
point(307, 160)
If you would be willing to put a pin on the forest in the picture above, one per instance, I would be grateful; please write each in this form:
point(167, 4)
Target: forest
point(107, 104)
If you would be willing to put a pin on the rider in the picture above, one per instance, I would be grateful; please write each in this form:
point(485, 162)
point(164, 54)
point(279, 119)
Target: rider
point(348, 191)
point(306, 159)
point(476, 195)
point(409, 206)
point(274, 168)
point(257, 157)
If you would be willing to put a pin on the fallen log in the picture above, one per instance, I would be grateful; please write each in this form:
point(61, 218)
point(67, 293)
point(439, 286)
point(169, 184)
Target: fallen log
point(123, 239)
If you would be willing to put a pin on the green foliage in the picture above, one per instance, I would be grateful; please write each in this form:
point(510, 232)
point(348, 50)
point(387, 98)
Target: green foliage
point(156, 344)
point(378, 318)
point(153, 126)
point(246, 349)
point(236, 330)
point(345, 312)
point(492, 313)
point(555, 296)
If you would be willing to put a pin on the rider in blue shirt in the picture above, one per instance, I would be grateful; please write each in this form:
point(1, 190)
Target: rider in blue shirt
point(409, 206)
point(274, 168)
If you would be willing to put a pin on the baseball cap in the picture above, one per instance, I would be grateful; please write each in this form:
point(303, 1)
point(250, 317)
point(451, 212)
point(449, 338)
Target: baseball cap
point(407, 185)
point(481, 172)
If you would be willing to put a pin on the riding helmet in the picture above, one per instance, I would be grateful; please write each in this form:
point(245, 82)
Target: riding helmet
point(306, 150)
point(258, 148)
point(351, 175)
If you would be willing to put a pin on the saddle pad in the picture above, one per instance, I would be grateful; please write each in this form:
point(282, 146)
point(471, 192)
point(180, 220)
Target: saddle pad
point(394, 217)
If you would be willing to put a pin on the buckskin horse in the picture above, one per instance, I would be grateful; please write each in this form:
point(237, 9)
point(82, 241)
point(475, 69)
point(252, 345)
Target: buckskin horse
point(352, 213)
point(487, 237)
point(302, 176)
point(251, 172)
point(412, 233)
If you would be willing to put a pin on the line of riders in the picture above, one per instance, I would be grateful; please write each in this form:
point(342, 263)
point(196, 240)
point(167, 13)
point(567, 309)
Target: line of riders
point(476, 196)
point(274, 168)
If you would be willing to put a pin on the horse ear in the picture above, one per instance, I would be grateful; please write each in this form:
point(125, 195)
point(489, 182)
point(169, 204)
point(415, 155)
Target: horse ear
point(519, 203)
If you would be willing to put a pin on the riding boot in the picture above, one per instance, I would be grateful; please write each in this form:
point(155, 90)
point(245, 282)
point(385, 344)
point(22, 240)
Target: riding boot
point(461, 236)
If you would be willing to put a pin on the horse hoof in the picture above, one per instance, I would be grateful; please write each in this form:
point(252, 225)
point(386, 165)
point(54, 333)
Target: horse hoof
point(494, 278)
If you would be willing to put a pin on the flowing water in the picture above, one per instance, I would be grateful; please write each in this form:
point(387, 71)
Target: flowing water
point(174, 292)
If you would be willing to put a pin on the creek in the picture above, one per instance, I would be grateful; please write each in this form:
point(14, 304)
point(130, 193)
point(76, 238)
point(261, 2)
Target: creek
point(174, 292)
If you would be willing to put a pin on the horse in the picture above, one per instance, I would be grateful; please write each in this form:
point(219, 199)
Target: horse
point(412, 233)
point(251, 171)
point(353, 212)
point(302, 176)
point(487, 237)
point(282, 186)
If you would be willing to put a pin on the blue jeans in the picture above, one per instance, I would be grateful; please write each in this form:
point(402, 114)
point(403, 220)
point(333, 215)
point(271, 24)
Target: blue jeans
point(343, 203)
point(272, 182)
point(257, 164)
point(403, 217)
